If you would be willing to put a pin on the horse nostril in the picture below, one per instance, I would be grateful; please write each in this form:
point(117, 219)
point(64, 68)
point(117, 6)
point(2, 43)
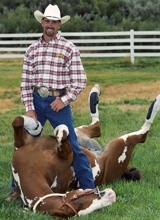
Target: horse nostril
point(110, 194)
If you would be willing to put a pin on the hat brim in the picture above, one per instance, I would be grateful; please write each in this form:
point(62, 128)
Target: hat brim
point(38, 16)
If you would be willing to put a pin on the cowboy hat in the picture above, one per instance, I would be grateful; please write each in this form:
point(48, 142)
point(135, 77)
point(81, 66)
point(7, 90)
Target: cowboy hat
point(52, 12)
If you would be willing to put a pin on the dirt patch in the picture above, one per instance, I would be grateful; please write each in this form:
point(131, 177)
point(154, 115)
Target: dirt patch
point(7, 103)
point(108, 94)
point(121, 92)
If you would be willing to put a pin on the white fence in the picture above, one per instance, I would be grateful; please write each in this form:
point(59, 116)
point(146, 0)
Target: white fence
point(92, 44)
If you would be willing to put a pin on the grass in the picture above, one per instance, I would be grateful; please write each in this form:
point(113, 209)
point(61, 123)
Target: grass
point(127, 92)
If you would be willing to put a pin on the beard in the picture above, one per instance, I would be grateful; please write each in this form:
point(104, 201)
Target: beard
point(50, 32)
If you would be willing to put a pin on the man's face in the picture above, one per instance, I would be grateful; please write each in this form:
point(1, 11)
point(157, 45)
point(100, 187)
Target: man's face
point(50, 27)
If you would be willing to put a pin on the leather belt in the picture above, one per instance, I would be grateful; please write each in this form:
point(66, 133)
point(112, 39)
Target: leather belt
point(45, 92)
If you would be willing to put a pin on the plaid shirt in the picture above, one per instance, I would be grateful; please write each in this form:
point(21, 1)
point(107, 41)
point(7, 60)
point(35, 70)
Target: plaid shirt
point(55, 65)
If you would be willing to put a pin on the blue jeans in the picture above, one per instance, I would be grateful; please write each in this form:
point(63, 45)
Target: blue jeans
point(80, 164)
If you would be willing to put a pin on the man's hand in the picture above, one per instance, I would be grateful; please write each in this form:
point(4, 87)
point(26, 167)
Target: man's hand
point(57, 104)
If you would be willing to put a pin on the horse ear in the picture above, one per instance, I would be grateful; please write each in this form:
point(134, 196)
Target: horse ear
point(58, 213)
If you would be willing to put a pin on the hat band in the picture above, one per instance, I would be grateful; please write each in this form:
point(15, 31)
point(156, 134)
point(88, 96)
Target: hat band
point(52, 17)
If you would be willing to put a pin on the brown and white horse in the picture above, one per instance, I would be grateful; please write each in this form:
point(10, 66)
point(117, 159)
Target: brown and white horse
point(42, 165)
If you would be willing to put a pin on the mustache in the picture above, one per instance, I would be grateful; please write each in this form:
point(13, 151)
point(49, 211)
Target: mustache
point(50, 28)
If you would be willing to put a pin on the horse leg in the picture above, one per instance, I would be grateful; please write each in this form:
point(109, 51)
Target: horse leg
point(132, 173)
point(93, 100)
point(153, 109)
point(85, 133)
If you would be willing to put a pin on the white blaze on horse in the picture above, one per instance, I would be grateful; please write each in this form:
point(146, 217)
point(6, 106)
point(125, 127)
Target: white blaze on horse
point(40, 165)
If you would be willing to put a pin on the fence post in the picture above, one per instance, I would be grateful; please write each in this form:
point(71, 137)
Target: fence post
point(132, 45)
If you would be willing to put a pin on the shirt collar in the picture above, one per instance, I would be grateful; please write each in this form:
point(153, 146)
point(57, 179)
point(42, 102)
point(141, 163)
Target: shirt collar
point(55, 39)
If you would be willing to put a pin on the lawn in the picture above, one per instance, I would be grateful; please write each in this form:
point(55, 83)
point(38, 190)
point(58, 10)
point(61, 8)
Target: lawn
point(127, 92)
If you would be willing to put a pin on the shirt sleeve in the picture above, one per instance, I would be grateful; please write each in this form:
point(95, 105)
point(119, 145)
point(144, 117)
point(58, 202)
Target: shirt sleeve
point(78, 77)
point(26, 84)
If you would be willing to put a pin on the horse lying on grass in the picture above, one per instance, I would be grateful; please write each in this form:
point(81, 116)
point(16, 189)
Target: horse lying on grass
point(42, 167)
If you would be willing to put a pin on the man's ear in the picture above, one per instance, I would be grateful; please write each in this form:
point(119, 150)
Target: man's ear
point(42, 22)
point(60, 23)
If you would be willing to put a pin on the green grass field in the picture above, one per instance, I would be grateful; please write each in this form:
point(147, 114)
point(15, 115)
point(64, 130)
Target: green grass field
point(121, 111)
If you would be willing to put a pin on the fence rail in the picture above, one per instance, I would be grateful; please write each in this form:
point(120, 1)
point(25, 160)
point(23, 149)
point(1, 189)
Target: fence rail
point(91, 44)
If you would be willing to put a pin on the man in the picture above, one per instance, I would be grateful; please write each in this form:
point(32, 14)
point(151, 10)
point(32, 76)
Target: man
point(52, 77)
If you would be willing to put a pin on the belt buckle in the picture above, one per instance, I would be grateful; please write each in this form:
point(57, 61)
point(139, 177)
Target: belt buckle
point(43, 92)
point(56, 93)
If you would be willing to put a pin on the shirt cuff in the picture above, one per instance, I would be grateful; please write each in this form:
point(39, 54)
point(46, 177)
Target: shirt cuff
point(29, 107)
point(65, 100)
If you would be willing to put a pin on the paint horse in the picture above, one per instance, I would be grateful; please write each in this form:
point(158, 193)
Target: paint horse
point(34, 158)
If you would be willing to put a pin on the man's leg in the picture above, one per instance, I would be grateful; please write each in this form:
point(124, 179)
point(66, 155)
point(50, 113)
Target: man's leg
point(14, 194)
point(81, 165)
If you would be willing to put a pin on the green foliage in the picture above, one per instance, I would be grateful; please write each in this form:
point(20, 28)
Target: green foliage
point(118, 70)
point(18, 21)
point(86, 15)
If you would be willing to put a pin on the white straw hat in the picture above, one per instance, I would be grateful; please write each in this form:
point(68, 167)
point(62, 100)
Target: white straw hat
point(52, 12)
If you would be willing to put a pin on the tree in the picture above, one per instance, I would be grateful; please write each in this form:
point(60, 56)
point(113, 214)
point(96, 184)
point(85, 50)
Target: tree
point(86, 15)
point(18, 21)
